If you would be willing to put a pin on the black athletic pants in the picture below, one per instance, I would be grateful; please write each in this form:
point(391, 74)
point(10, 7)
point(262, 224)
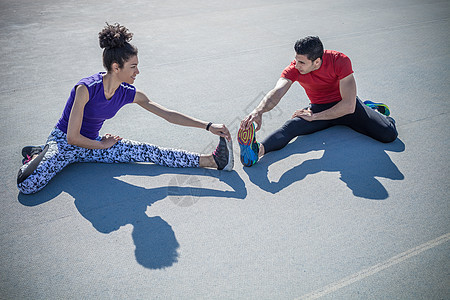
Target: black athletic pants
point(364, 120)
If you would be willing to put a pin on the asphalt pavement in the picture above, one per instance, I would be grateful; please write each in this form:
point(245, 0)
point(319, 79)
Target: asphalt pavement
point(333, 215)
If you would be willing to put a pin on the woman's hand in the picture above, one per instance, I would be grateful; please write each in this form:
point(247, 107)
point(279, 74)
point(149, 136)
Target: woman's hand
point(220, 130)
point(109, 140)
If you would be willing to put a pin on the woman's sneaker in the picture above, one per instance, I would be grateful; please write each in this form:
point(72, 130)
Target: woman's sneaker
point(248, 145)
point(380, 107)
point(23, 174)
point(29, 151)
point(223, 155)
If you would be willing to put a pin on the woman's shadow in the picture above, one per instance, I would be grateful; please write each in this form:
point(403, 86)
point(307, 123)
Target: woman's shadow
point(109, 203)
point(358, 159)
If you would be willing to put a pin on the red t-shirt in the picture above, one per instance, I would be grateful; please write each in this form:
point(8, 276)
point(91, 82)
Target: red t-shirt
point(322, 85)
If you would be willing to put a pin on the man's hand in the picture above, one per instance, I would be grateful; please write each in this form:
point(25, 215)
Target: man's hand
point(220, 130)
point(248, 121)
point(269, 102)
point(305, 114)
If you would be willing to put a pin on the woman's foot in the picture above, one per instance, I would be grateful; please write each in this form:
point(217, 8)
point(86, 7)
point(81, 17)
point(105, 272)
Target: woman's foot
point(33, 163)
point(30, 152)
point(223, 155)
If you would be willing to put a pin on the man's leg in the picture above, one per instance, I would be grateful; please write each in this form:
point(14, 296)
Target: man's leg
point(291, 129)
point(251, 150)
point(281, 137)
point(369, 122)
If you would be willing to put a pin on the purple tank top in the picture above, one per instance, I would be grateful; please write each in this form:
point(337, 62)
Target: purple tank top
point(98, 108)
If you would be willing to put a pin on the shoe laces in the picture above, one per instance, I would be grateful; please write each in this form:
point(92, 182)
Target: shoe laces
point(27, 159)
point(220, 148)
point(217, 151)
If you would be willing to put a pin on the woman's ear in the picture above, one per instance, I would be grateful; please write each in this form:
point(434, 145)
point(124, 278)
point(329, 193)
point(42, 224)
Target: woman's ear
point(115, 67)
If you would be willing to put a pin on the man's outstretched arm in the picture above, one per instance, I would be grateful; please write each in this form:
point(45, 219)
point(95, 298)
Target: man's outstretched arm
point(268, 103)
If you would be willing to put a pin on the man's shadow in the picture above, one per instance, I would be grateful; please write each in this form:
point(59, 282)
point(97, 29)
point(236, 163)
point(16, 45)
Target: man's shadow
point(359, 160)
point(109, 202)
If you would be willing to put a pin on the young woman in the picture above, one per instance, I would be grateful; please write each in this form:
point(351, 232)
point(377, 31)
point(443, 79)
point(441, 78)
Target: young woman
point(96, 98)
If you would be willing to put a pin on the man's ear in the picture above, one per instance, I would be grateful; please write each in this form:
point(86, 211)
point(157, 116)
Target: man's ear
point(317, 62)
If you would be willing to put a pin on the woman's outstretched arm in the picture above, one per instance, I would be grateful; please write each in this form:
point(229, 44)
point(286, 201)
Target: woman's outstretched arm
point(178, 118)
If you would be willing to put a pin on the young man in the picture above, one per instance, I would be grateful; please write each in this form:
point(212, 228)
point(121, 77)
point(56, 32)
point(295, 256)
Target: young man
point(327, 77)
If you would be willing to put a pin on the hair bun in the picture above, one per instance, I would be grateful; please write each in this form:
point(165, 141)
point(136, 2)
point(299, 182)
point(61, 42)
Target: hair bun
point(113, 36)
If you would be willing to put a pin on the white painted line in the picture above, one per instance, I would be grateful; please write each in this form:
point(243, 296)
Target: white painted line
point(376, 268)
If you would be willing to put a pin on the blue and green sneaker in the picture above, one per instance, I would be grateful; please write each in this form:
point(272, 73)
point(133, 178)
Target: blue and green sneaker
point(380, 107)
point(248, 145)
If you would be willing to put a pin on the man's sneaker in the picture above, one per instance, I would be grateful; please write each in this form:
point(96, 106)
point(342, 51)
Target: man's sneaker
point(223, 155)
point(248, 145)
point(391, 119)
point(380, 107)
point(29, 151)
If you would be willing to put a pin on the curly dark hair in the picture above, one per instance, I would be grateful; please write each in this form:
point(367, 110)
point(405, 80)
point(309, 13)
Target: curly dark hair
point(310, 46)
point(114, 39)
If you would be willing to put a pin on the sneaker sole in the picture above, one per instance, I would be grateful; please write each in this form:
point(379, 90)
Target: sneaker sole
point(245, 137)
point(230, 165)
point(245, 140)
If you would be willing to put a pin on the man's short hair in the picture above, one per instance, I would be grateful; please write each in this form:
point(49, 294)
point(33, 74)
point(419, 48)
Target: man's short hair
point(310, 46)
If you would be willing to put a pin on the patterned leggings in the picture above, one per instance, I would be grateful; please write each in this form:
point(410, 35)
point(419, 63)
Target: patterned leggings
point(60, 154)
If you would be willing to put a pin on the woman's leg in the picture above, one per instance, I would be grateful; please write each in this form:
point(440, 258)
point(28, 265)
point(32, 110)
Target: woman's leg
point(54, 160)
point(132, 151)
point(60, 154)
point(126, 151)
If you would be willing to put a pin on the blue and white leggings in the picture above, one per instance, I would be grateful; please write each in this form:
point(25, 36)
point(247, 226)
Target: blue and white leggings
point(60, 154)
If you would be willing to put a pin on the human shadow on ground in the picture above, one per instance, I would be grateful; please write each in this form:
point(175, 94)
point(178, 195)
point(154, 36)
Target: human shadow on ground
point(108, 202)
point(358, 158)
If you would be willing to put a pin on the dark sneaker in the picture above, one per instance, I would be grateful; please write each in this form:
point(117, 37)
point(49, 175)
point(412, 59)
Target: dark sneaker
point(22, 175)
point(223, 155)
point(380, 107)
point(248, 145)
point(391, 119)
point(29, 151)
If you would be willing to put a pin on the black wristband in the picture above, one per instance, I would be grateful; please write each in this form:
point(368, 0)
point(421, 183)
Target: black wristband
point(209, 125)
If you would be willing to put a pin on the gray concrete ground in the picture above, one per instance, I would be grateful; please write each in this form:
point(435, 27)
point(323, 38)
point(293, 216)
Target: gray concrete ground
point(334, 215)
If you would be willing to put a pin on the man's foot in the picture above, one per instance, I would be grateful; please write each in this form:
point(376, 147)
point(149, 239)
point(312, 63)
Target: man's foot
point(380, 107)
point(29, 152)
point(223, 155)
point(248, 145)
point(391, 119)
